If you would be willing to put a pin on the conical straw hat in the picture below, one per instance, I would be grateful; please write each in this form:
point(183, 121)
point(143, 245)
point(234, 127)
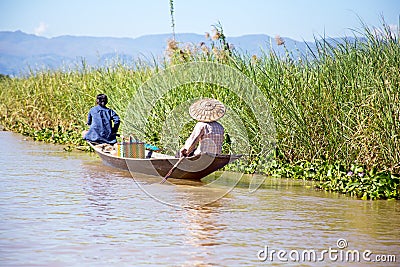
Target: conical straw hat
point(207, 110)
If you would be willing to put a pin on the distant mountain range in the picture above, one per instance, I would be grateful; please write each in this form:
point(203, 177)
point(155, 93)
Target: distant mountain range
point(21, 52)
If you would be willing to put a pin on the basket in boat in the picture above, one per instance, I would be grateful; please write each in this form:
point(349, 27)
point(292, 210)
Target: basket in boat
point(131, 150)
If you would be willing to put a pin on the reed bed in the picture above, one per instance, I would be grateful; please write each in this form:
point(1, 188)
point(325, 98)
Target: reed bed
point(336, 109)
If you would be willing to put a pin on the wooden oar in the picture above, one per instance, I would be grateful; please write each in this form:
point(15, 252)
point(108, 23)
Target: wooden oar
point(172, 169)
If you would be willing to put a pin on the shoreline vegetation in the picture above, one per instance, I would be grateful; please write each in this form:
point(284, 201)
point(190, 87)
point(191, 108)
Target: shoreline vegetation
point(336, 110)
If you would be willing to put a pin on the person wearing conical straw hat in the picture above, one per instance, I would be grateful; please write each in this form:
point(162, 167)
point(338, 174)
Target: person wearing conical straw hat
point(208, 134)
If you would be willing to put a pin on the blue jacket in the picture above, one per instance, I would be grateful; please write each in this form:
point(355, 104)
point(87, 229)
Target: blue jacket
point(101, 129)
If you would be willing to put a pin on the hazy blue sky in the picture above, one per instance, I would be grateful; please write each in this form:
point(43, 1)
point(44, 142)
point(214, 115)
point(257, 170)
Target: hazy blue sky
point(133, 18)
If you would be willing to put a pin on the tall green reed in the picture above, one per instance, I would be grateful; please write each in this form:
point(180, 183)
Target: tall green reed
point(340, 105)
point(60, 100)
point(339, 102)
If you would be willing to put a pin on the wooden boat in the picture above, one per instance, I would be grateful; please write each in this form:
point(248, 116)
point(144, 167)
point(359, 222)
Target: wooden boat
point(194, 167)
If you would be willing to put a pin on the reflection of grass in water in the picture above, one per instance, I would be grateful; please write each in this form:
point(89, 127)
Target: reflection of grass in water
point(338, 105)
point(246, 180)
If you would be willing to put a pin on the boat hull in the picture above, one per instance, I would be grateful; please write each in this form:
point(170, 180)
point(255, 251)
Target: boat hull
point(195, 167)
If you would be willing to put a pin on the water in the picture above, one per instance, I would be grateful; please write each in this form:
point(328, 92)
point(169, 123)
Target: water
point(67, 209)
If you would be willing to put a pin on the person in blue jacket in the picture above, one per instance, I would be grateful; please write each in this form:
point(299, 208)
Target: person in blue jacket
point(103, 122)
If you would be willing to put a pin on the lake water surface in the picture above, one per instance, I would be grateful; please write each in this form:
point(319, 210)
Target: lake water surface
point(66, 209)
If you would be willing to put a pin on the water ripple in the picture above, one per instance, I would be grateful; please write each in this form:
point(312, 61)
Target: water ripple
point(67, 209)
